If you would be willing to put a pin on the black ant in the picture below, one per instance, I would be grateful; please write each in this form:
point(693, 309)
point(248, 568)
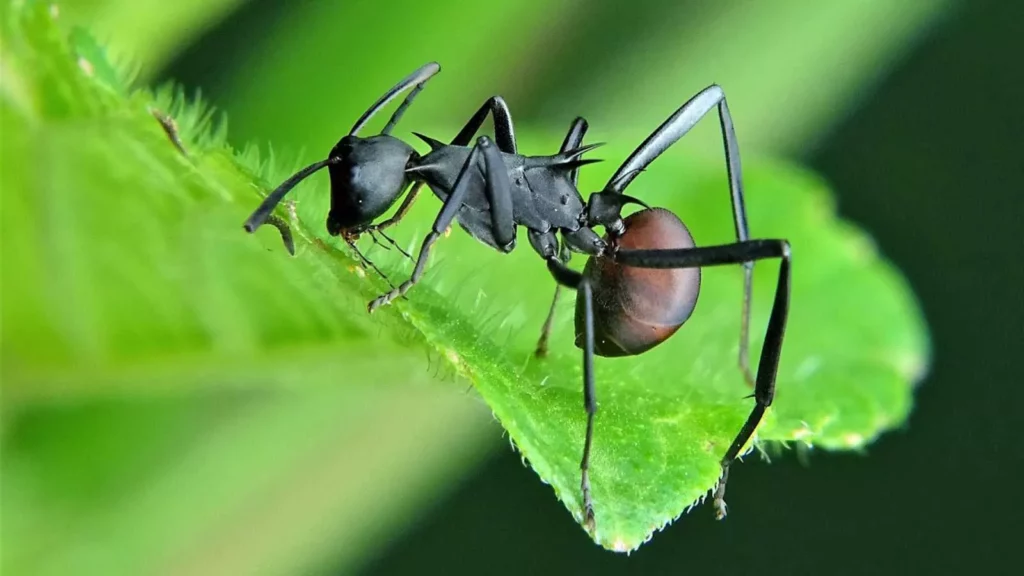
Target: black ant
point(641, 280)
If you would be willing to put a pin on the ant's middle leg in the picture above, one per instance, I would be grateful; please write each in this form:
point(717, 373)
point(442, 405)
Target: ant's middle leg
point(546, 244)
point(497, 189)
point(587, 241)
point(545, 332)
point(503, 131)
point(573, 139)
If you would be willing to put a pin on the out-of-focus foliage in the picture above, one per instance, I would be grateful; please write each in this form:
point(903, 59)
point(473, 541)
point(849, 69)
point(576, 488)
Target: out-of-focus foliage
point(790, 68)
point(148, 32)
point(136, 290)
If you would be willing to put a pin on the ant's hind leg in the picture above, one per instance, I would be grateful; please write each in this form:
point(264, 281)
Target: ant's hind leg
point(768, 365)
point(572, 279)
point(677, 126)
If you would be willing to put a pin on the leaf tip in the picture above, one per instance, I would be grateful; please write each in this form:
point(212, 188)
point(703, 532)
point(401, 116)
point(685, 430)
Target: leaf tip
point(619, 545)
point(853, 440)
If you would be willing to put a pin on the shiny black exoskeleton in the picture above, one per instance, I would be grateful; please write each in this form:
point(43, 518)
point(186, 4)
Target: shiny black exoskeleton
point(642, 278)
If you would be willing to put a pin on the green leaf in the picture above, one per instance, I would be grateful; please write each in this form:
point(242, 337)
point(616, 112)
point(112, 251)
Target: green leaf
point(131, 259)
point(160, 387)
point(855, 347)
point(770, 61)
point(132, 269)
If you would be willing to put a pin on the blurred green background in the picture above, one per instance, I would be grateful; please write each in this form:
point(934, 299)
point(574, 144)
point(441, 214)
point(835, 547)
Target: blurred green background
point(911, 111)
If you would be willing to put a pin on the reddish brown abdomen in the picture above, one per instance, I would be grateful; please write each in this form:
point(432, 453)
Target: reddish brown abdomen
point(635, 309)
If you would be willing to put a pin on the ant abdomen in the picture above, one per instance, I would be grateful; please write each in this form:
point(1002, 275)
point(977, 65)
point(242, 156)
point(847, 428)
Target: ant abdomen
point(635, 309)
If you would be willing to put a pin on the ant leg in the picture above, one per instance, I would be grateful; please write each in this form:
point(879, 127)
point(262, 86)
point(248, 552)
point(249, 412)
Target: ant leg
point(402, 210)
point(496, 184)
point(418, 78)
point(499, 196)
point(768, 365)
point(545, 331)
point(503, 132)
point(570, 278)
point(366, 262)
point(393, 243)
point(677, 125)
point(573, 139)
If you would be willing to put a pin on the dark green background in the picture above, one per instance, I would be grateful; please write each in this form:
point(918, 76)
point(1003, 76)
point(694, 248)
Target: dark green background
point(932, 164)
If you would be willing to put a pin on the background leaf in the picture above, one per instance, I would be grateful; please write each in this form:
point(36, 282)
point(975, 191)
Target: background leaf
point(790, 68)
point(147, 32)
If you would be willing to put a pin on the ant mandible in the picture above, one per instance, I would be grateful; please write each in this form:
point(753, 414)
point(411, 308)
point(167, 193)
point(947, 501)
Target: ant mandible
point(641, 279)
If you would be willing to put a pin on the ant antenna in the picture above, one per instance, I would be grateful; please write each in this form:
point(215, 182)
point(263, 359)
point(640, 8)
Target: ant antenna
point(260, 215)
point(286, 232)
point(417, 78)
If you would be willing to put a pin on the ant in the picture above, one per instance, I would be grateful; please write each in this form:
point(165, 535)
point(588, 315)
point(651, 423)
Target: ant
point(641, 279)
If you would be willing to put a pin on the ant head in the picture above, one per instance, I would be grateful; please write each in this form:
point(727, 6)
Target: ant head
point(605, 209)
point(366, 179)
point(367, 174)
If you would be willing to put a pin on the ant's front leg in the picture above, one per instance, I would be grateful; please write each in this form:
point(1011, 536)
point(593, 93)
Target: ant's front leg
point(497, 189)
point(402, 210)
point(506, 141)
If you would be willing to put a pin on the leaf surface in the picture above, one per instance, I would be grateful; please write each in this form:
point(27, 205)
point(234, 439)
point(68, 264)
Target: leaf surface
point(132, 267)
